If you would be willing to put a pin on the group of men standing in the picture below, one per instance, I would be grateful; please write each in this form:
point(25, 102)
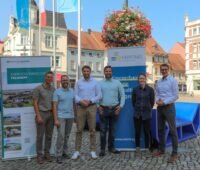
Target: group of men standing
point(81, 105)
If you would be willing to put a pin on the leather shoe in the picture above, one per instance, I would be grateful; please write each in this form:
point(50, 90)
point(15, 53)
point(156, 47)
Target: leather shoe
point(102, 153)
point(114, 151)
point(40, 160)
point(158, 153)
point(48, 157)
point(59, 160)
point(172, 158)
point(66, 156)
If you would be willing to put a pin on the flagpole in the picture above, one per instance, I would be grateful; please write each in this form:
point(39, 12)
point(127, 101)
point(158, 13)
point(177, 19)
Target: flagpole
point(39, 29)
point(54, 45)
point(30, 43)
point(79, 41)
point(39, 37)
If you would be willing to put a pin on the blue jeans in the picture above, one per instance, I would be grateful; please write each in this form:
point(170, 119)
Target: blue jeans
point(108, 120)
point(167, 113)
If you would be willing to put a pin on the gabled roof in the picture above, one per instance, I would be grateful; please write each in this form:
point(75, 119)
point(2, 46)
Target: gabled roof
point(177, 62)
point(152, 47)
point(89, 40)
point(178, 48)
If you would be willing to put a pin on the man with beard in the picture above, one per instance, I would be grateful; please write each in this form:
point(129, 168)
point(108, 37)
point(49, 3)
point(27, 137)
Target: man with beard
point(63, 111)
point(87, 94)
point(113, 99)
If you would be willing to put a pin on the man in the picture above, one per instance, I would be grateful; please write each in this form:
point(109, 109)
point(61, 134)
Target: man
point(166, 95)
point(63, 111)
point(113, 99)
point(42, 103)
point(87, 94)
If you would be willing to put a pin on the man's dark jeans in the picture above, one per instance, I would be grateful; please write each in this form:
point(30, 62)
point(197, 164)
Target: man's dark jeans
point(167, 113)
point(107, 122)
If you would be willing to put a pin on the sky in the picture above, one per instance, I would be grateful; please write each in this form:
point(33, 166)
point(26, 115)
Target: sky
point(166, 16)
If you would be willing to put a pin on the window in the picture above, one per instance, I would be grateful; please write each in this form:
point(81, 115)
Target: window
point(49, 41)
point(179, 76)
point(199, 30)
point(173, 74)
point(98, 55)
point(155, 58)
point(90, 54)
point(58, 61)
point(91, 66)
point(82, 53)
point(194, 64)
point(194, 31)
point(156, 71)
point(198, 53)
point(160, 59)
point(33, 38)
point(196, 84)
point(24, 39)
point(165, 60)
point(194, 51)
point(72, 52)
point(73, 65)
point(98, 67)
point(82, 63)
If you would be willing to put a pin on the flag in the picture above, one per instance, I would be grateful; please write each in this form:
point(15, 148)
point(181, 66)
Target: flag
point(65, 6)
point(43, 21)
point(22, 9)
point(41, 6)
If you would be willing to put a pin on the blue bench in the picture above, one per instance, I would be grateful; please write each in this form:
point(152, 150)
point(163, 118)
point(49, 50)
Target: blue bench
point(187, 122)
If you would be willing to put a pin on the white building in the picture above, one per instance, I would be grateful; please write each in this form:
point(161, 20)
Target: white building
point(192, 53)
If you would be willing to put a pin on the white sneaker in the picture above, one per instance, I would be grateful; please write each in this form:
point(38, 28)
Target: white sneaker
point(93, 155)
point(76, 155)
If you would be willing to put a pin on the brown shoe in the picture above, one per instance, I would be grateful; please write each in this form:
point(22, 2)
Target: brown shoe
point(158, 153)
point(48, 157)
point(173, 158)
point(40, 160)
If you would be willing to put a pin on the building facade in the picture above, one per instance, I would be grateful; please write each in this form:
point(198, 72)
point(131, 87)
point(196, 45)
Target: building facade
point(93, 53)
point(39, 40)
point(192, 55)
point(155, 56)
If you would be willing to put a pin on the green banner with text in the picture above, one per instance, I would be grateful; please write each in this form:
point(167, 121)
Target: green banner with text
point(26, 75)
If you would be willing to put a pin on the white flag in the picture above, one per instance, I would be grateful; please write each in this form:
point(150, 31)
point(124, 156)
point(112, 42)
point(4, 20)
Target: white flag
point(41, 6)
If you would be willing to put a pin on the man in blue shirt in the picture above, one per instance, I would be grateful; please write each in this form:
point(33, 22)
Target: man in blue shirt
point(63, 111)
point(87, 94)
point(113, 99)
point(166, 95)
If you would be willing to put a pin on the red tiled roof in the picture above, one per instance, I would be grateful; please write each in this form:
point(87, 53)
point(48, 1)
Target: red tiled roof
point(182, 44)
point(177, 62)
point(178, 48)
point(152, 47)
point(90, 40)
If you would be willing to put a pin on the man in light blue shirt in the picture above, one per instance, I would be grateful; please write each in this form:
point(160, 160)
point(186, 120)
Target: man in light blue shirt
point(87, 94)
point(63, 111)
point(113, 99)
point(166, 95)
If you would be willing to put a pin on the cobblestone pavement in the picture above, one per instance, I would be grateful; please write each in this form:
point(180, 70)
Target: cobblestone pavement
point(189, 157)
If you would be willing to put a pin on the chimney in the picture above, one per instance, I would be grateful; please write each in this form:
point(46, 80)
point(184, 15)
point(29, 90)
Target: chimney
point(89, 31)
